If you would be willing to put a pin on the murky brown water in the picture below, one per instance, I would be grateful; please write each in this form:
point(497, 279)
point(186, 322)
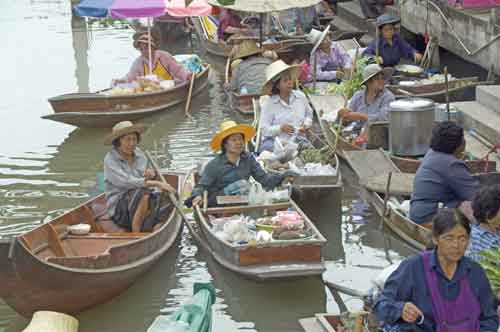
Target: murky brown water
point(47, 167)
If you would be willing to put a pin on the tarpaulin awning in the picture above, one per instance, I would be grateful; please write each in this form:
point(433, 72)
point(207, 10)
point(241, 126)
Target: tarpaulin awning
point(142, 8)
point(265, 6)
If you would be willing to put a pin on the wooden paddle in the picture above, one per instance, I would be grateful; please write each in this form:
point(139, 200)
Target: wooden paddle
point(386, 200)
point(190, 93)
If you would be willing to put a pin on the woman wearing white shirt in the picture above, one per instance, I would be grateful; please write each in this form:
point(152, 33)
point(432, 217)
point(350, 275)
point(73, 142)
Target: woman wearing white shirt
point(287, 112)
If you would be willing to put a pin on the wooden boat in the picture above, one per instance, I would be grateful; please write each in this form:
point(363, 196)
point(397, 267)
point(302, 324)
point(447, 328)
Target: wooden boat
point(99, 110)
point(277, 259)
point(308, 186)
point(458, 89)
point(238, 102)
point(417, 236)
point(378, 137)
point(49, 269)
point(330, 322)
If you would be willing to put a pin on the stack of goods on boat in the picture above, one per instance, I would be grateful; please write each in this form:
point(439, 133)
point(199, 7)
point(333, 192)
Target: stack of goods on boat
point(252, 229)
point(301, 158)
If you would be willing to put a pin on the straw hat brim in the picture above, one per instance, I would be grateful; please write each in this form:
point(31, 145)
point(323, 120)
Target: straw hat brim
point(52, 321)
point(393, 21)
point(136, 128)
point(372, 75)
point(246, 54)
point(294, 72)
point(321, 38)
point(247, 131)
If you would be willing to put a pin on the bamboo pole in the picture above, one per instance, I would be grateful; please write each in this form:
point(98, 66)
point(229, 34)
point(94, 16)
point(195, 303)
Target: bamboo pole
point(447, 96)
point(386, 200)
point(190, 93)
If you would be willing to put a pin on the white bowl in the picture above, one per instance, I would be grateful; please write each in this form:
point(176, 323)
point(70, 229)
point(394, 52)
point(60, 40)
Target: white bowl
point(79, 229)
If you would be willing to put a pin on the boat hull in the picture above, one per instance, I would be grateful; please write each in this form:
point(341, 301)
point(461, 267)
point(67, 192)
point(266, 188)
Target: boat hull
point(73, 283)
point(97, 110)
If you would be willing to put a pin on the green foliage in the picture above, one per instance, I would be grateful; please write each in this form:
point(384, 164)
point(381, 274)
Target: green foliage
point(347, 88)
point(313, 155)
point(490, 263)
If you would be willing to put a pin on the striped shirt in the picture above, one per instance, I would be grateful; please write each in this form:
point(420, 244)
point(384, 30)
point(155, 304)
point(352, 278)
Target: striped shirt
point(480, 240)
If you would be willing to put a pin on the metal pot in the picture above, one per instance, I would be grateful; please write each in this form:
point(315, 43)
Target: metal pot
point(410, 126)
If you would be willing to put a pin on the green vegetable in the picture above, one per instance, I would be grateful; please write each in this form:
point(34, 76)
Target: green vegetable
point(489, 262)
point(347, 88)
point(312, 155)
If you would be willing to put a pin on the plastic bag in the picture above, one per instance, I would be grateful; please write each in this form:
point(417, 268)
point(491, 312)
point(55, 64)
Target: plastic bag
point(285, 150)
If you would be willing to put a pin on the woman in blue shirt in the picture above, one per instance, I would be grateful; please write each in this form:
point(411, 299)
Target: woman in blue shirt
point(391, 46)
point(439, 290)
point(442, 176)
point(486, 234)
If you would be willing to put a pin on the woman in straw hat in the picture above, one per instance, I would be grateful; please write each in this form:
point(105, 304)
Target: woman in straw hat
point(391, 46)
point(165, 67)
point(250, 72)
point(128, 181)
point(287, 113)
point(229, 171)
point(371, 103)
point(329, 57)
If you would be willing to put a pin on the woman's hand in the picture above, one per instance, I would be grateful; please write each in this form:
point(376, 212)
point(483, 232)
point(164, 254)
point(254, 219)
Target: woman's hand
point(167, 188)
point(418, 58)
point(411, 313)
point(197, 200)
point(343, 112)
point(287, 129)
point(149, 173)
point(117, 81)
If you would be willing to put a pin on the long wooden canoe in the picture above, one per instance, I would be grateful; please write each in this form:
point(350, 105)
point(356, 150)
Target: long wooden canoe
point(458, 90)
point(99, 110)
point(309, 186)
point(49, 269)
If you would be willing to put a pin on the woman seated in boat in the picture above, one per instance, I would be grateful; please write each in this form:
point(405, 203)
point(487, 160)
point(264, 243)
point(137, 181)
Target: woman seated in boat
point(229, 25)
point(442, 176)
point(372, 103)
point(131, 202)
point(441, 289)
point(329, 57)
point(485, 234)
point(165, 67)
point(229, 171)
point(250, 73)
point(287, 113)
point(391, 46)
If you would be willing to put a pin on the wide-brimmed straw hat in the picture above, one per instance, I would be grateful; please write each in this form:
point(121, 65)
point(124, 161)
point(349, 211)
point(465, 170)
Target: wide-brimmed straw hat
point(228, 128)
point(386, 19)
point(50, 321)
point(316, 37)
point(370, 71)
point(246, 48)
point(275, 69)
point(144, 38)
point(123, 128)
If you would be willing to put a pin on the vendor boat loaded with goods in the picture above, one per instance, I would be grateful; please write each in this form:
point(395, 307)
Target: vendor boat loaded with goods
point(267, 240)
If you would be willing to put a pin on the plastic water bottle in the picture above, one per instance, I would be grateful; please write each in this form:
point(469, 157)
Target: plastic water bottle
point(244, 90)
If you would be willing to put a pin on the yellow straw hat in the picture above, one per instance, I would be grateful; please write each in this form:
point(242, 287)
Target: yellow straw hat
point(227, 128)
point(51, 321)
point(246, 48)
point(277, 68)
point(123, 128)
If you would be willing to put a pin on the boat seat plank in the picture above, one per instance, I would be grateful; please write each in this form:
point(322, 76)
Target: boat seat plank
point(54, 242)
point(105, 236)
point(401, 183)
point(370, 163)
point(246, 208)
point(311, 324)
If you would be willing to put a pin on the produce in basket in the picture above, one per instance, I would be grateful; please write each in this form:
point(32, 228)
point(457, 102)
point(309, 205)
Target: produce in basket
point(490, 265)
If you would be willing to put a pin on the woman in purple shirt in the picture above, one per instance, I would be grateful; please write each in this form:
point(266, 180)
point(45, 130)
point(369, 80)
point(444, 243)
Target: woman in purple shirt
point(439, 290)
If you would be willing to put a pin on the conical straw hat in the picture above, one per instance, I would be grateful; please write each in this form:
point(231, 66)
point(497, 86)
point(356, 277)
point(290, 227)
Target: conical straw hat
point(51, 321)
point(278, 67)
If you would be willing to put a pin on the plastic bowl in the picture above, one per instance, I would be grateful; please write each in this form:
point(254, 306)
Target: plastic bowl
point(79, 229)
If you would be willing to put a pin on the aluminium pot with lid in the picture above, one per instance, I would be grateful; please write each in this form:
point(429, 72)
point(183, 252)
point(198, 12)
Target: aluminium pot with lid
point(410, 126)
